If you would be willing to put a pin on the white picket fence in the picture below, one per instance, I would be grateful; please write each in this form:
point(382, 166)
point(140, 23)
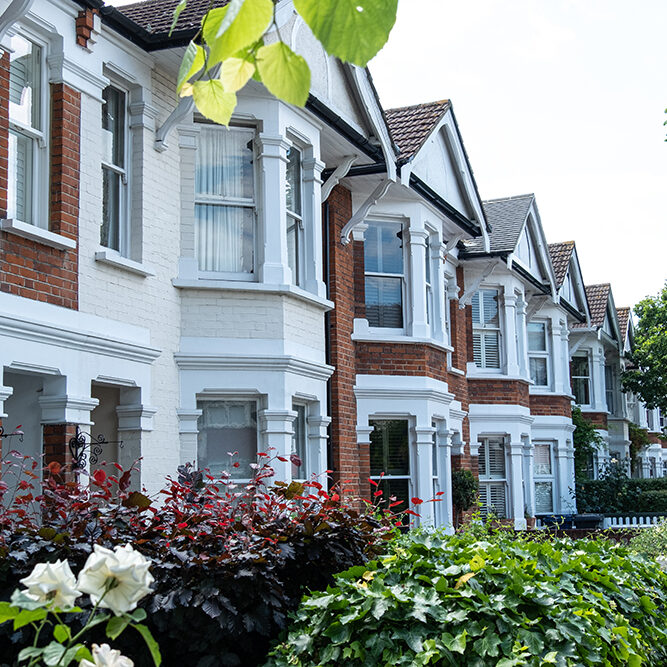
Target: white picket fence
point(632, 521)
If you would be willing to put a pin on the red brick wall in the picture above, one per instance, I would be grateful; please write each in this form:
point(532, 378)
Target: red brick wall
point(504, 392)
point(598, 419)
point(550, 405)
point(29, 268)
point(85, 22)
point(401, 359)
point(56, 446)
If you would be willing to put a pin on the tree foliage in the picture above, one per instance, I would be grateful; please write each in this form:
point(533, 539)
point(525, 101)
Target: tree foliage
point(242, 40)
point(647, 376)
point(586, 441)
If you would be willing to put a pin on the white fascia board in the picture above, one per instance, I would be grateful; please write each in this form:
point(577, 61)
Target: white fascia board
point(542, 247)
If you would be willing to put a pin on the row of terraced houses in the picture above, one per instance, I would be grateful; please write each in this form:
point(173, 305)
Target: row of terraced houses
point(325, 281)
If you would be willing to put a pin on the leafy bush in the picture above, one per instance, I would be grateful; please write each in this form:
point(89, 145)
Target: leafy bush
point(229, 561)
point(586, 442)
point(498, 599)
point(652, 542)
point(616, 492)
point(464, 489)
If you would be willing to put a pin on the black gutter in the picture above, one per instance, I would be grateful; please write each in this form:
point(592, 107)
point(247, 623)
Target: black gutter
point(545, 289)
point(360, 170)
point(443, 206)
point(573, 311)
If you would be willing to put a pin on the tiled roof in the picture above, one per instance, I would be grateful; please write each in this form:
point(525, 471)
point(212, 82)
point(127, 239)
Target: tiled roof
point(597, 297)
point(155, 16)
point(506, 217)
point(560, 259)
point(623, 319)
point(411, 126)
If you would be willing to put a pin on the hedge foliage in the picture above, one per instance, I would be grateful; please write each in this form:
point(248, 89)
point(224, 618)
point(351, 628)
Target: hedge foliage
point(652, 542)
point(617, 493)
point(230, 561)
point(495, 599)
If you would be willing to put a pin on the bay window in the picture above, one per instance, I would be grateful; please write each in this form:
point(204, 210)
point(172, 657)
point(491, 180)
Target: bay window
point(538, 353)
point(27, 164)
point(300, 442)
point(295, 242)
point(383, 257)
point(493, 477)
point(390, 460)
point(227, 437)
point(486, 328)
point(609, 388)
point(114, 232)
point(225, 202)
point(581, 380)
point(543, 478)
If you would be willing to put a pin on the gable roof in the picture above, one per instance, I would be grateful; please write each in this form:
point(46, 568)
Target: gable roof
point(411, 126)
point(623, 315)
point(506, 217)
point(560, 254)
point(156, 16)
point(598, 298)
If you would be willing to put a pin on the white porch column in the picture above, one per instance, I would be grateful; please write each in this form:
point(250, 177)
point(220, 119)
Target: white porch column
point(521, 337)
point(312, 202)
point(439, 287)
point(318, 436)
point(134, 419)
point(528, 475)
point(565, 476)
point(417, 282)
point(273, 263)
point(512, 362)
point(277, 431)
point(445, 504)
point(424, 473)
point(5, 393)
point(597, 376)
point(516, 475)
point(561, 349)
point(64, 409)
point(188, 432)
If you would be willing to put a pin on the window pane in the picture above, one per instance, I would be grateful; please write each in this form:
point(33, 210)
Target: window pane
point(581, 391)
point(299, 442)
point(25, 82)
point(384, 302)
point(537, 341)
point(580, 366)
point(110, 234)
point(113, 124)
point(491, 349)
point(492, 459)
point(293, 184)
point(383, 249)
point(398, 488)
point(544, 501)
point(493, 497)
point(225, 163)
point(293, 248)
point(490, 307)
point(538, 371)
point(224, 238)
point(389, 451)
point(19, 181)
point(428, 259)
point(542, 459)
point(226, 427)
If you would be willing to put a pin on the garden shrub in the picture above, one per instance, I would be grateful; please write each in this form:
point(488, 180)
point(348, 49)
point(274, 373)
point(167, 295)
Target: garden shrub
point(465, 488)
point(495, 599)
point(229, 560)
point(652, 542)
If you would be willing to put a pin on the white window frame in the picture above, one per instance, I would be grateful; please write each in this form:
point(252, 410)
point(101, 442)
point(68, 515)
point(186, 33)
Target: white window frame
point(541, 354)
point(201, 122)
point(124, 207)
point(297, 220)
point(582, 377)
point(40, 177)
point(482, 329)
point(429, 285)
point(610, 389)
point(303, 472)
point(402, 229)
point(544, 478)
point(487, 481)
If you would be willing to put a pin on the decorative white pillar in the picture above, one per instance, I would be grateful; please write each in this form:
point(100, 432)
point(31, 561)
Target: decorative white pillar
point(318, 436)
point(509, 307)
point(188, 433)
point(424, 476)
point(560, 341)
point(5, 393)
point(273, 263)
point(417, 283)
point(312, 214)
point(521, 337)
point(597, 375)
point(516, 476)
point(528, 475)
point(277, 432)
point(64, 409)
point(565, 477)
point(439, 289)
point(444, 452)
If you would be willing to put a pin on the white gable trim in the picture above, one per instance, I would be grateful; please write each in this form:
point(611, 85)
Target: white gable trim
point(574, 271)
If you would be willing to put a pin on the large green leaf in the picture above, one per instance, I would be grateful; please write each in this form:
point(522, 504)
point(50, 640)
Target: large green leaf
point(235, 73)
point(284, 73)
point(213, 101)
point(153, 646)
point(248, 26)
point(177, 12)
point(193, 60)
point(352, 30)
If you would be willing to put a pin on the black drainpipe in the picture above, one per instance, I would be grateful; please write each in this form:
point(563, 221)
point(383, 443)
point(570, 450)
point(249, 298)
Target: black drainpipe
point(327, 321)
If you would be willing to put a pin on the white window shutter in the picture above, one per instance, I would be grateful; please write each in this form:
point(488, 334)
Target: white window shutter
point(491, 350)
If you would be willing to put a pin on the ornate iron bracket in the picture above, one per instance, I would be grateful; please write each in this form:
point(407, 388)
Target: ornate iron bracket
point(16, 432)
point(82, 449)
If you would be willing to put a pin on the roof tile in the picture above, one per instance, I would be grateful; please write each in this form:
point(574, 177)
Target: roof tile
point(411, 126)
point(560, 259)
point(156, 16)
point(623, 319)
point(598, 298)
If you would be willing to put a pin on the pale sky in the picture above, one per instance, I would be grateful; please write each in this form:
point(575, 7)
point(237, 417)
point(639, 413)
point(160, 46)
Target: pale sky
point(563, 98)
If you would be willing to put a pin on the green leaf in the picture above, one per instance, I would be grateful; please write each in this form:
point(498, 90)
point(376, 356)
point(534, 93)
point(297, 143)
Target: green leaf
point(53, 654)
point(138, 615)
point(29, 652)
point(61, 633)
point(136, 499)
point(8, 612)
point(232, 11)
point(27, 616)
point(193, 60)
point(250, 23)
point(455, 644)
point(284, 73)
point(352, 30)
point(150, 642)
point(177, 12)
point(213, 101)
point(235, 73)
point(487, 645)
point(116, 625)
point(24, 601)
point(83, 653)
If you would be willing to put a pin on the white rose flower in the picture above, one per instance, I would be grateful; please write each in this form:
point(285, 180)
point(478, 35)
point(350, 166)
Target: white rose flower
point(105, 656)
point(119, 578)
point(52, 582)
point(662, 562)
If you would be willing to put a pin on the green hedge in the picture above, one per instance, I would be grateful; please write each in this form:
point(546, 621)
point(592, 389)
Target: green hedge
point(481, 600)
point(617, 493)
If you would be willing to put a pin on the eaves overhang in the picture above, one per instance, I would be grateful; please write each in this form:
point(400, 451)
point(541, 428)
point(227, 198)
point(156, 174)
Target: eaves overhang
point(572, 310)
point(526, 275)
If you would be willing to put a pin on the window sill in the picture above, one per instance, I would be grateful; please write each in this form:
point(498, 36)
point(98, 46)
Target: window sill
point(33, 233)
point(263, 288)
point(373, 335)
point(112, 258)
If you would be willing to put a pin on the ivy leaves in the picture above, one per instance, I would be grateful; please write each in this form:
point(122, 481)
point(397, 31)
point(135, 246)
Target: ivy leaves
point(232, 47)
